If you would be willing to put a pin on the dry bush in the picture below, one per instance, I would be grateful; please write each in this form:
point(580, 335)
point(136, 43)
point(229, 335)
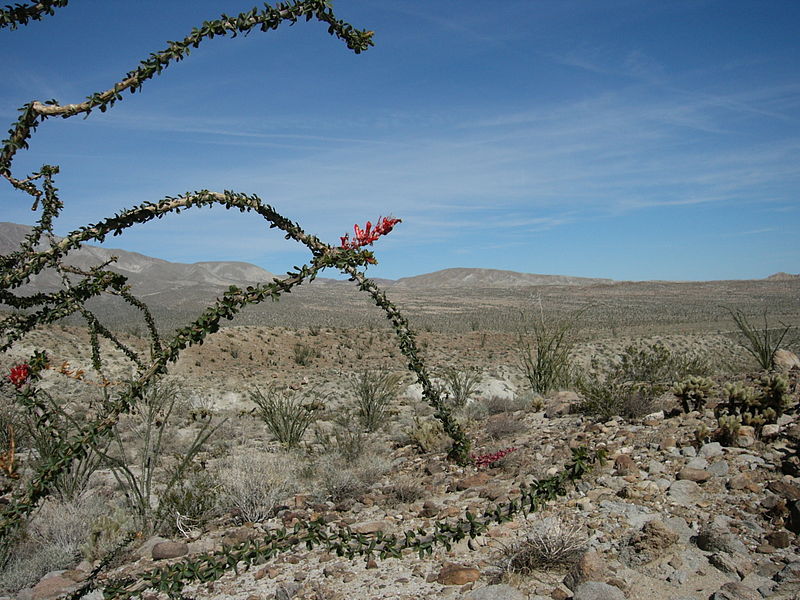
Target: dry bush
point(405, 490)
point(253, 483)
point(503, 425)
point(51, 541)
point(340, 478)
point(550, 542)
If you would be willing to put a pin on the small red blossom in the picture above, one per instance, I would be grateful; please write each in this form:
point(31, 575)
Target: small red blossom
point(19, 375)
point(366, 236)
point(486, 460)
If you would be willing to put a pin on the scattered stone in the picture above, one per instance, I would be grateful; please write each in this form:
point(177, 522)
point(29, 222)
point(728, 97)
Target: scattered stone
point(453, 574)
point(713, 537)
point(625, 465)
point(785, 360)
point(719, 468)
point(685, 492)
point(590, 567)
point(496, 592)
point(711, 450)
point(476, 480)
point(779, 539)
point(368, 527)
point(697, 475)
point(596, 590)
point(648, 544)
point(163, 550)
point(731, 563)
point(736, 591)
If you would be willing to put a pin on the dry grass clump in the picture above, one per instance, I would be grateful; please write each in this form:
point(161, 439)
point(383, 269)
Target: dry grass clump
point(548, 543)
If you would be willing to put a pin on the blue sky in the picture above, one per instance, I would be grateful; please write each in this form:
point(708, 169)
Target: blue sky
point(624, 139)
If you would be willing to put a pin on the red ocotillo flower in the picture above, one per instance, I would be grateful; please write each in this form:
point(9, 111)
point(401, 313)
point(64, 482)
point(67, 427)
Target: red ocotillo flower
point(19, 375)
point(366, 236)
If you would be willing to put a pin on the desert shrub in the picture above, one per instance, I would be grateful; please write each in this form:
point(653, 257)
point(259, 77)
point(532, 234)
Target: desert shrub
point(375, 391)
point(405, 490)
point(340, 478)
point(631, 386)
point(544, 349)
point(303, 354)
point(342, 437)
point(428, 435)
point(191, 503)
point(460, 384)
point(761, 342)
point(287, 413)
point(503, 425)
point(51, 541)
point(550, 542)
point(252, 484)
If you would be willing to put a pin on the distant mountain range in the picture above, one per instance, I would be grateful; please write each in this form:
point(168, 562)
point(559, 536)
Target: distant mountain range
point(150, 276)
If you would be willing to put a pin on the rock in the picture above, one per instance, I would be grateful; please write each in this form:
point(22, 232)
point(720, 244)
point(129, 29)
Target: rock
point(476, 480)
point(50, 587)
point(778, 539)
point(590, 567)
point(711, 450)
point(596, 590)
point(625, 465)
point(452, 574)
point(730, 563)
point(368, 527)
point(168, 549)
point(719, 468)
point(785, 360)
point(287, 591)
point(698, 462)
point(684, 492)
point(736, 591)
point(745, 436)
point(648, 544)
point(770, 431)
point(788, 491)
point(667, 442)
point(429, 510)
point(496, 592)
point(697, 475)
point(742, 481)
point(713, 538)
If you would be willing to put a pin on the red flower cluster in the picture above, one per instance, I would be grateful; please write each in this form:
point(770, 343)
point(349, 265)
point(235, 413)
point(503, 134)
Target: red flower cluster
point(488, 459)
point(366, 236)
point(19, 375)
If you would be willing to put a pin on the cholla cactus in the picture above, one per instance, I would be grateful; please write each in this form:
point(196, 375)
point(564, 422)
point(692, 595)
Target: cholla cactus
point(693, 392)
point(753, 406)
point(729, 426)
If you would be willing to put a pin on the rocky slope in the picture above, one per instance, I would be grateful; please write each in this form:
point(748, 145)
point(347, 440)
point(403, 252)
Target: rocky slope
point(666, 518)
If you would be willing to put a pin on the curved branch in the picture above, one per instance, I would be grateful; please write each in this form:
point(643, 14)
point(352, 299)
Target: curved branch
point(20, 14)
point(269, 18)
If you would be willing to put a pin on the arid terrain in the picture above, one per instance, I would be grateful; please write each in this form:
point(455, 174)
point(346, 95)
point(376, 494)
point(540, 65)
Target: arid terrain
point(682, 509)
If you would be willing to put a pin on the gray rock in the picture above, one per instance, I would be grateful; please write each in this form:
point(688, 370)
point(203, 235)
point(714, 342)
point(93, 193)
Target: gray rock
point(287, 591)
point(715, 538)
point(496, 592)
point(596, 590)
point(697, 463)
point(689, 451)
point(711, 450)
point(684, 492)
point(736, 591)
point(719, 468)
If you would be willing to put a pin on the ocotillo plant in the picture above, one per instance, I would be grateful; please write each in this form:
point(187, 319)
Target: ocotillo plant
point(41, 250)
